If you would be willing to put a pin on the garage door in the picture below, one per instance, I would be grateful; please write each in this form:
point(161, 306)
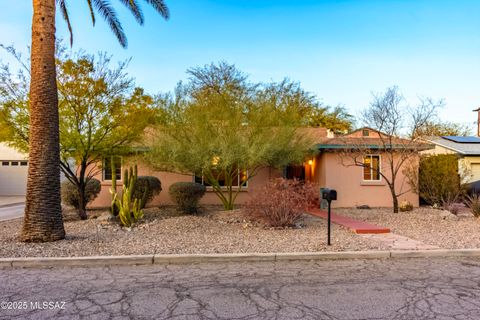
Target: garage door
point(13, 177)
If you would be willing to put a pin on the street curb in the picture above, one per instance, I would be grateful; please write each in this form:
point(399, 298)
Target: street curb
point(91, 261)
point(104, 261)
point(209, 258)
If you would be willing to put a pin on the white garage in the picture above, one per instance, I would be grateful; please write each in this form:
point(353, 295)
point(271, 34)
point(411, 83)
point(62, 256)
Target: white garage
point(13, 172)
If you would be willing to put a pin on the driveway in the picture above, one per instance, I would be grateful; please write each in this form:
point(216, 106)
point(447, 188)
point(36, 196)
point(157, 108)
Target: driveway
point(11, 211)
point(350, 289)
point(6, 201)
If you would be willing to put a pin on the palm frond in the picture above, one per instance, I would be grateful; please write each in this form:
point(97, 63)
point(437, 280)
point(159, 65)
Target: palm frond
point(161, 7)
point(134, 9)
point(64, 10)
point(110, 16)
point(92, 12)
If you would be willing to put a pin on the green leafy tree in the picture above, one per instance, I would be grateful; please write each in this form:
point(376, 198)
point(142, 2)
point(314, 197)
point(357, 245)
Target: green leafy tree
point(100, 109)
point(288, 95)
point(439, 128)
point(224, 129)
point(439, 180)
point(43, 213)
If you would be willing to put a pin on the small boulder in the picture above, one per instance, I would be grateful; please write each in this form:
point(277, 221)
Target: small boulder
point(447, 215)
point(105, 216)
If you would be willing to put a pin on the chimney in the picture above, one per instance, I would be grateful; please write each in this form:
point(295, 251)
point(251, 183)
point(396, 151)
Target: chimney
point(478, 121)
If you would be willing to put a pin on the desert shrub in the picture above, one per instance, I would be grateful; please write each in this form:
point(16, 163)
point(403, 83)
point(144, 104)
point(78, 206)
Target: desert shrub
point(186, 195)
point(70, 194)
point(405, 206)
point(281, 202)
point(146, 188)
point(439, 181)
point(473, 202)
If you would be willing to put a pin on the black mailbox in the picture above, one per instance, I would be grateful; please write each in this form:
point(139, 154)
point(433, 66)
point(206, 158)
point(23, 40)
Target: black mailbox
point(329, 194)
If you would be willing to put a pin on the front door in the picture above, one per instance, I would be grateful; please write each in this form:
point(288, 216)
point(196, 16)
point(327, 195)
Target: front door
point(295, 172)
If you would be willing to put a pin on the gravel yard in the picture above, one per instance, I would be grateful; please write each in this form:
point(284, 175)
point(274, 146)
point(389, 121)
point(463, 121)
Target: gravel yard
point(424, 224)
point(162, 231)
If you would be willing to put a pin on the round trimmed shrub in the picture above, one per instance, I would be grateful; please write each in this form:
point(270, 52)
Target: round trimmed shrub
point(70, 194)
point(146, 188)
point(186, 195)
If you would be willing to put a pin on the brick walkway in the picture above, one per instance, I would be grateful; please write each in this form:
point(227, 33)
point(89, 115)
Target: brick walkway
point(356, 226)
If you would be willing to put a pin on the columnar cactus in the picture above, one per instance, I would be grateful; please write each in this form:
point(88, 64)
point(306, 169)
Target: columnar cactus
point(129, 208)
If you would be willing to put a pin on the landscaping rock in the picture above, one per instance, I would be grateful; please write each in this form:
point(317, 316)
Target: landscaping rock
point(161, 231)
point(447, 215)
point(424, 224)
point(105, 216)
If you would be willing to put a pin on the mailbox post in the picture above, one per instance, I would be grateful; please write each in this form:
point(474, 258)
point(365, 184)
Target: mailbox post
point(329, 195)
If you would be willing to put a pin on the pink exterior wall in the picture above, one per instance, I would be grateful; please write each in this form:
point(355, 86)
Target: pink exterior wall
point(326, 170)
point(352, 190)
point(167, 179)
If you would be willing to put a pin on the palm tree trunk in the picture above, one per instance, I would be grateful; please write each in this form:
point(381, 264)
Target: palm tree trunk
point(43, 214)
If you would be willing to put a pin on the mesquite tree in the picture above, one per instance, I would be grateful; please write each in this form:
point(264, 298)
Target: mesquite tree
point(223, 129)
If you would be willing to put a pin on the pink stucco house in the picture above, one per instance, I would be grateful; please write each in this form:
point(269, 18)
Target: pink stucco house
point(355, 185)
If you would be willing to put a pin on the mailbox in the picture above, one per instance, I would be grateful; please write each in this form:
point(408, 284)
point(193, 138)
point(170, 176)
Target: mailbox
point(329, 194)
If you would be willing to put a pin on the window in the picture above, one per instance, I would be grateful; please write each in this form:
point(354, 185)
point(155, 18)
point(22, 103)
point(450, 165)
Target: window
point(240, 178)
point(107, 168)
point(23, 163)
point(14, 163)
point(371, 168)
point(365, 132)
point(5, 163)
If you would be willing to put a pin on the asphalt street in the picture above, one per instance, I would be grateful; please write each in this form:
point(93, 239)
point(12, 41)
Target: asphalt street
point(11, 212)
point(354, 289)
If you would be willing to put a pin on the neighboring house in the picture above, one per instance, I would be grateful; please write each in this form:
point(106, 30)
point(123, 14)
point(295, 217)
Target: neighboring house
point(466, 148)
point(355, 185)
point(13, 172)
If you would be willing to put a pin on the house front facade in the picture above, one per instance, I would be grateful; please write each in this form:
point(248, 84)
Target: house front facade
point(356, 185)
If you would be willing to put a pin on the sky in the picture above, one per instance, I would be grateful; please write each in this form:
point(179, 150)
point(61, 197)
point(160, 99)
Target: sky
point(343, 51)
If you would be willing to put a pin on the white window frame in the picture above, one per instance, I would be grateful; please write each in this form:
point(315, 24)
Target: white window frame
point(103, 169)
point(371, 168)
point(245, 186)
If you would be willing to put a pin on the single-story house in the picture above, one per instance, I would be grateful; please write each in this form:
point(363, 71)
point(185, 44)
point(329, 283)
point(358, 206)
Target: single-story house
point(356, 185)
point(466, 148)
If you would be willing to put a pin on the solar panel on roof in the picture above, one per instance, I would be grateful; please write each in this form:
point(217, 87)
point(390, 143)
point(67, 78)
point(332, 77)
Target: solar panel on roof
point(463, 139)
